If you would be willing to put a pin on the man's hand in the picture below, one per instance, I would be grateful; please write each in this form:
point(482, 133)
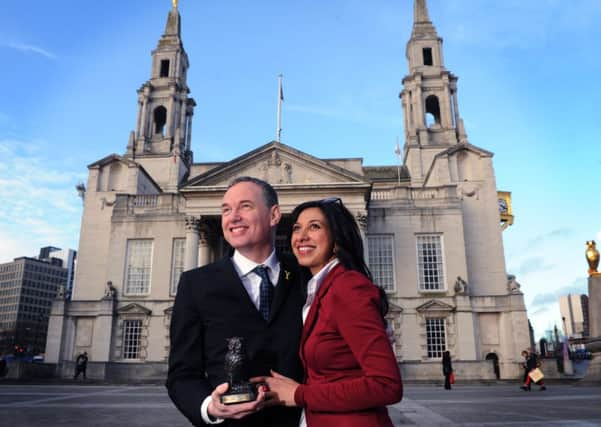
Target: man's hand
point(217, 409)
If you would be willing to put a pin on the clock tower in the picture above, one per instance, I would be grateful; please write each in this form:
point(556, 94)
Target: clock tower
point(429, 98)
point(161, 141)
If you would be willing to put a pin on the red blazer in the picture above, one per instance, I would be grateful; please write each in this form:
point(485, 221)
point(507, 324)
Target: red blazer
point(351, 371)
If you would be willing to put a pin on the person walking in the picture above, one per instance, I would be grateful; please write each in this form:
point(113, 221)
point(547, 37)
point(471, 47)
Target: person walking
point(525, 366)
point(81, 365)
point(447, 369)
point(532, 363)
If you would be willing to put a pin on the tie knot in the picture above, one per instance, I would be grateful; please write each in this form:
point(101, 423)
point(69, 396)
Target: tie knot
point(262, 271)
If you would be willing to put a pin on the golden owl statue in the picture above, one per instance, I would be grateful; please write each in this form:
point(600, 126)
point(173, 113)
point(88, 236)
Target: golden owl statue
point(592, 256)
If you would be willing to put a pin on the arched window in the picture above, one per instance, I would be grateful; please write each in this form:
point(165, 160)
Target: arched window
point(160, 118)
point(432, 111)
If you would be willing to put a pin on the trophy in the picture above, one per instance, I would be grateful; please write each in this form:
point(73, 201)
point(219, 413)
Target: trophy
point(240, 389)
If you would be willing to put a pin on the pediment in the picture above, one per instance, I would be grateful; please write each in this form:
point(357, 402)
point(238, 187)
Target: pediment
point(111, 158)
point(393, 308)
point(435, 306)
point(466, 146)
point(278, 164)
point(134, 308)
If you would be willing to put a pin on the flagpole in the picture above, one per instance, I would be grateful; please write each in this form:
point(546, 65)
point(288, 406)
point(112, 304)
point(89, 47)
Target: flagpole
point(280, 99)
point(397, 151)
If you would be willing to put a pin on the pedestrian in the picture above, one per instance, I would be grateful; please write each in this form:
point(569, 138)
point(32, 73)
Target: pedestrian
point(351, 372)
point(3, 367)
point(253, 293)
point(532, 363)
point(447, 369)
point(525, 366)
point(81, 365)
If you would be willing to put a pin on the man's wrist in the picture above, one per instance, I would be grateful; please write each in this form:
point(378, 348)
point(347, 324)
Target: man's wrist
point(204, 413)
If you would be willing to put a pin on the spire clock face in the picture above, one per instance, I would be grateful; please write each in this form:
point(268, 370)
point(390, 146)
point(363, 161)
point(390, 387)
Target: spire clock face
point(502, 205)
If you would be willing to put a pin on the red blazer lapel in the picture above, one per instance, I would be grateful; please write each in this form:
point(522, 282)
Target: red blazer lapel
point(314, 310)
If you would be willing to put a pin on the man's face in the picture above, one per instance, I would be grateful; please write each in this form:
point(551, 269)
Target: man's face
point(247, 222)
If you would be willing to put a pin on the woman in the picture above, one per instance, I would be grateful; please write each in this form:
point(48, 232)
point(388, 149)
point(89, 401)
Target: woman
point(447, 369)
point(351, 372)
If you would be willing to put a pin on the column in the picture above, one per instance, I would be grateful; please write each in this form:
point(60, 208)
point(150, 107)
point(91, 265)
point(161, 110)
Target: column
point(192, 237)
point(170, 117)
point(189, 133)
point(361, 218)
point(204, 250)
point(143, 121)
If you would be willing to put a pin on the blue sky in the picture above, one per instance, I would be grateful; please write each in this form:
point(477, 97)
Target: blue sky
point(528, 91)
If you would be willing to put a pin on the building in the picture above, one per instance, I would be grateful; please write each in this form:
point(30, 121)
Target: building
point(28, 286)
point(67, 258)
point(433, 230)
point(574, 315)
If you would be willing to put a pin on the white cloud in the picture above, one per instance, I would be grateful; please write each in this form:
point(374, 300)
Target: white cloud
point(39, 203)
point(29, 48)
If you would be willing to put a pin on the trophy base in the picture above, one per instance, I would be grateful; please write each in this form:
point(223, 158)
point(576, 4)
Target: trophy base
point(239, 394)
point(230, 399)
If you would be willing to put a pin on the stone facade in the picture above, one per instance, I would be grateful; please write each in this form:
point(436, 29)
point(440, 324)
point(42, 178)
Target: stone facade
point(432, 228)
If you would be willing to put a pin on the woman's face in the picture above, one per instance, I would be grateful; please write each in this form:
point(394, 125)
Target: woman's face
point(312, 241)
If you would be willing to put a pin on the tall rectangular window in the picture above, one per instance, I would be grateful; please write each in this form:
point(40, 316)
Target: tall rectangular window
point(177, 262)
point(381, 260)
point(138, 267)
point(435, 336)
point(427, 51)
point(132, 332)
point(164, 68)
point(430, 262)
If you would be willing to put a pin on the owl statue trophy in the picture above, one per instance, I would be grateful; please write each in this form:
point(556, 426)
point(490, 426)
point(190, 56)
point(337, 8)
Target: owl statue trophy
point(240, 389)
point(592, 256)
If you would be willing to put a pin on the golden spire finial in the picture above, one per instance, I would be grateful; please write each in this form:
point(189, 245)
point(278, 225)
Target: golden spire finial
point(174, 3)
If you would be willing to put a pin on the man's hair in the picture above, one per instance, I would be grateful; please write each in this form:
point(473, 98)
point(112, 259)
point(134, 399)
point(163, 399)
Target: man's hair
point(269, 194)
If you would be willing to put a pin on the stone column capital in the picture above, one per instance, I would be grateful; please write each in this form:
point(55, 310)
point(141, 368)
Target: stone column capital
point(361, 218)
point(193, 223)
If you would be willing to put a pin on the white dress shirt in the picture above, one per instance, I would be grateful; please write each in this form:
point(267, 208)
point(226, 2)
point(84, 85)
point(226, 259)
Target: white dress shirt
point(252, 283)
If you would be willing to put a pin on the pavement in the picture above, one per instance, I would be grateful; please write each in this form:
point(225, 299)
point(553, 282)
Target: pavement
point(81, 404)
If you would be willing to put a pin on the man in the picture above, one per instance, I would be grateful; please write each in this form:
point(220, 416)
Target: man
point(531, 364)
point(226, 299)
point(81, 365)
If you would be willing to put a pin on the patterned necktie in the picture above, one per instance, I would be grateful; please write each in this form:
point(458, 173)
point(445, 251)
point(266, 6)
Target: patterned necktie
point(266, 291)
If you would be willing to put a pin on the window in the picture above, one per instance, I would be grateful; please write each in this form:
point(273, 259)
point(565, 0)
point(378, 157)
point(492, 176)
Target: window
point(427, 51)
point(177, 262)
point(381, 260)
point(138, 266)
point(132, 331)
point(435, 336)
point(164, 68)
point(432, 111)
point(160, 118)
point(430, 262)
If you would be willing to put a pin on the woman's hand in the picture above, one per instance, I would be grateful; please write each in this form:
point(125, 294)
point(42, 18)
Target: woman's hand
point(282, 386)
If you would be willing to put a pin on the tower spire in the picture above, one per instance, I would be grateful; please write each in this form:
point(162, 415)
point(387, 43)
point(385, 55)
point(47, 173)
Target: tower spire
point(422, 26)
point(420, 11)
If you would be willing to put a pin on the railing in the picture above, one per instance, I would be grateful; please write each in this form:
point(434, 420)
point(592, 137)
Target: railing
point(414, 193)
point(147, 204)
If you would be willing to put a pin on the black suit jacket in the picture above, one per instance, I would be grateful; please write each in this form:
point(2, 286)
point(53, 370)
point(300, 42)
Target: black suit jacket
point(212, 305)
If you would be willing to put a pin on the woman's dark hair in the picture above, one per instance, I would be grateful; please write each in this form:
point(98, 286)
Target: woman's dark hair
point(348, 244)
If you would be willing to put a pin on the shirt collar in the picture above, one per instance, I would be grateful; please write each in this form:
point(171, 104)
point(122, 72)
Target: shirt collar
point(315, 282)
point(245, 265)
